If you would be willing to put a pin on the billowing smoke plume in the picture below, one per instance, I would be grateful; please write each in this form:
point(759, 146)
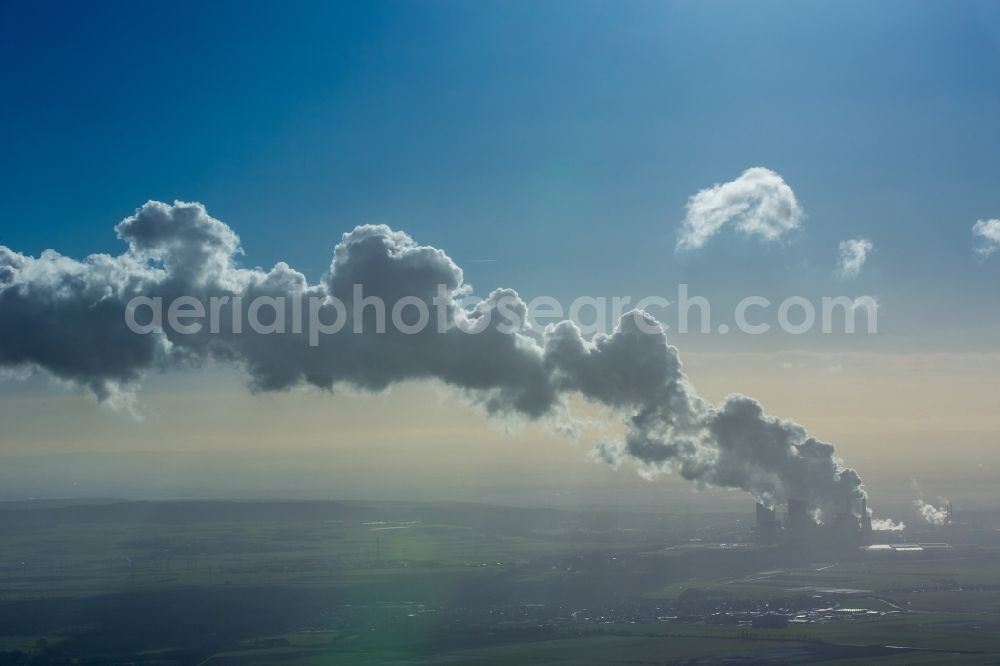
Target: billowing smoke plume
point(932, 514)
point(68, 318)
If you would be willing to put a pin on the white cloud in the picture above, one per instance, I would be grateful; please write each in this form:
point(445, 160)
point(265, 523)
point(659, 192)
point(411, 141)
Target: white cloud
point(759, 203)
point(989, 232)
point(853, 254)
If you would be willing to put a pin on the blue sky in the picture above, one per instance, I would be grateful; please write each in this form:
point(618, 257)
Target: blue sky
point(560, 139)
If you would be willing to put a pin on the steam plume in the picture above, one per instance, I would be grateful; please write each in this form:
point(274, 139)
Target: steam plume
point(67, 317)
point(934, 515)
point(887, 525)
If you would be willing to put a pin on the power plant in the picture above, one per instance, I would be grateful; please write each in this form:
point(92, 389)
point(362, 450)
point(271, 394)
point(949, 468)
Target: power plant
point(848, 528)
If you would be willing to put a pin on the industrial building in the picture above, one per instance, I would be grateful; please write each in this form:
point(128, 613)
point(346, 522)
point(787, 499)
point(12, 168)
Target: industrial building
point(847, 529)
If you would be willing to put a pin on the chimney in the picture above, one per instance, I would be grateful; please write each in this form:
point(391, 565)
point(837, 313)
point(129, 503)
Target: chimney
point(866, 519)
